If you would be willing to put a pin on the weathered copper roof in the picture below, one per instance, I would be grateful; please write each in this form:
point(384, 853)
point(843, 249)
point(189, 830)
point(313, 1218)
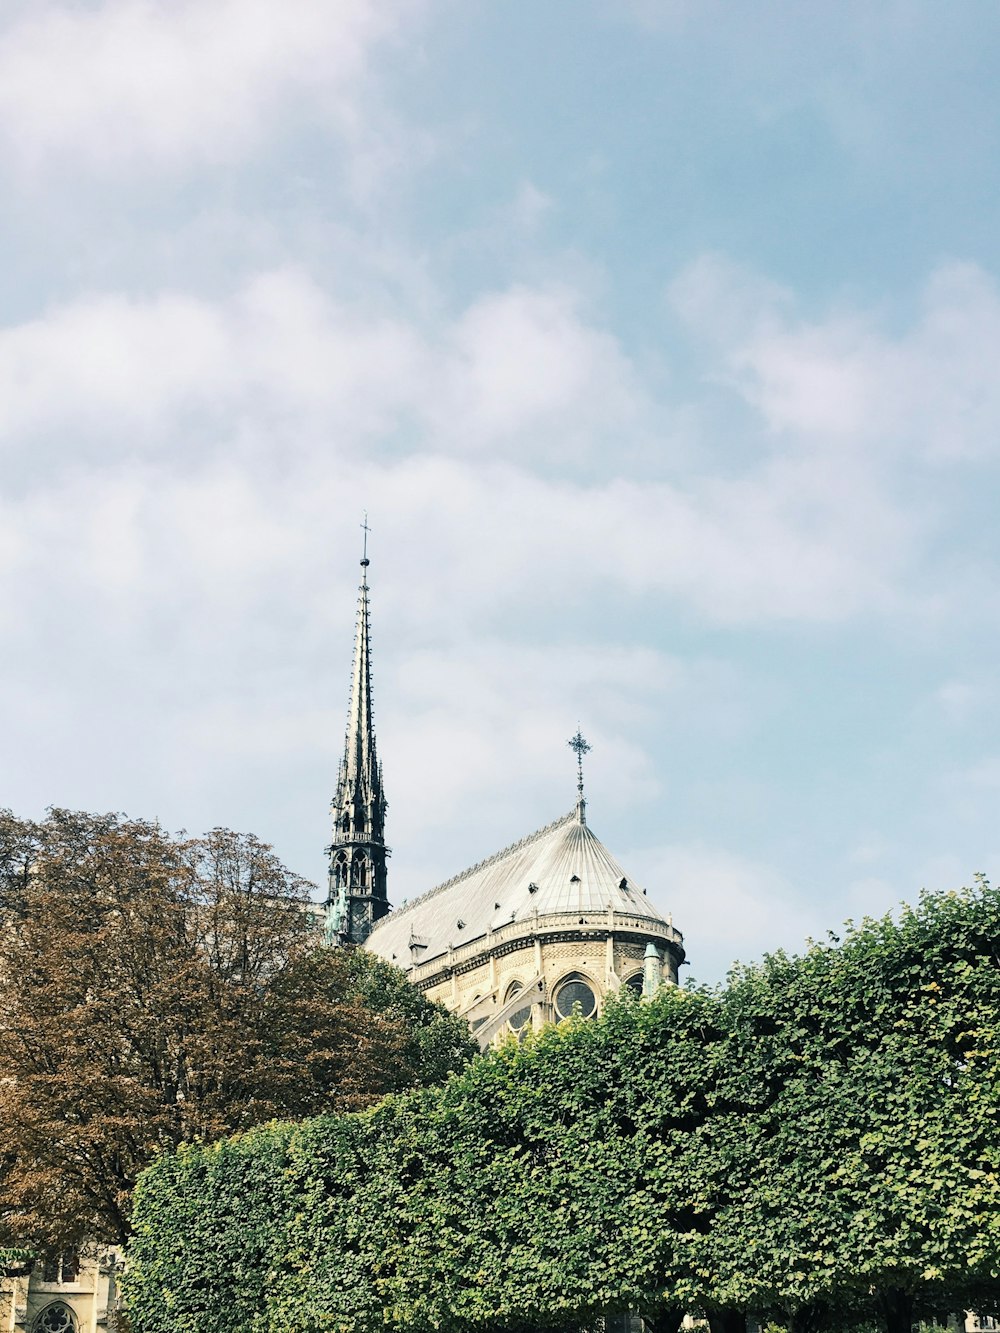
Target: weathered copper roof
point(563, 868)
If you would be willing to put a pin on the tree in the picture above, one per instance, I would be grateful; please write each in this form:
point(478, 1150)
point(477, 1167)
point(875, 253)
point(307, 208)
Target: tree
point(158, 990)
point(857, 1130)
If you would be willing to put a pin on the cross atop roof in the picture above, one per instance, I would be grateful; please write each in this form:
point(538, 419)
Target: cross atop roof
point(581, 747)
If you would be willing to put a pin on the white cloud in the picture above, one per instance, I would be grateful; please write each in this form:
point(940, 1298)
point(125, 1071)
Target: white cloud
point(656, 15)
point(735, 908)
point(874, 896)
point(471, 773)
point(529, 207)
point(728, 907)
point(283, 378)
point(968, 792)
point(106, 359)
point(515, 362)
point(961, 700)
point(145, 82)
point(727, 303)
point(119, 367)
point(183, 475)
point(280, 365)
point(869, 850)
point(526, 359)
point(928, 392)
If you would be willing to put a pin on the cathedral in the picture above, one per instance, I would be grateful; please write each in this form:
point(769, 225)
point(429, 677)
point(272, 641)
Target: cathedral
point(545, 928)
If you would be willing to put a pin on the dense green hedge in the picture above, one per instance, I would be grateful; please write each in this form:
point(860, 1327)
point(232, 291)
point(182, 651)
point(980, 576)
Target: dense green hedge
point(818, 1142)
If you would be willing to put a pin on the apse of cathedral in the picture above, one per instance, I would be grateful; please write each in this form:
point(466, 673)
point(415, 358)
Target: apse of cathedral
point(548, 927)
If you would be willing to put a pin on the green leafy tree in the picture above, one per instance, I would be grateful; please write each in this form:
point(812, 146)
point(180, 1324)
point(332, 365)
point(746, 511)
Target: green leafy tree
point(861, 1143)
point(817, 1144)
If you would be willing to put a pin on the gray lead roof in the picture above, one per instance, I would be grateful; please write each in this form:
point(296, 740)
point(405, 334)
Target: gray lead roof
point(563, 868)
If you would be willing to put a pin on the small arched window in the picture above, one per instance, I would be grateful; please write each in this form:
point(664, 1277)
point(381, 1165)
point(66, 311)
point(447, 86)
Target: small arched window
point(359, 872)
point(519, 1018)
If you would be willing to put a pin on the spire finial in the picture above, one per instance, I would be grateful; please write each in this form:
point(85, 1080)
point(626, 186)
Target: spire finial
point(364, 550)
point(581, 747)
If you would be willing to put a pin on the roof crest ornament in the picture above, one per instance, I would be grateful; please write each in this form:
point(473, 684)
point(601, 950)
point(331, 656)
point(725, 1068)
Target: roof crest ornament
point(581, 747)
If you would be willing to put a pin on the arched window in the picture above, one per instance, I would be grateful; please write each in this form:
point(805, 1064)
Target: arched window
point(575, 994)
point(519, 1018)
point(634, 983)
point(359, 873)
point(55, 1318)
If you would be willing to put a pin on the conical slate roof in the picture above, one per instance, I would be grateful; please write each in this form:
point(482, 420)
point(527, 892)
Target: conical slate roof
point(563, 868)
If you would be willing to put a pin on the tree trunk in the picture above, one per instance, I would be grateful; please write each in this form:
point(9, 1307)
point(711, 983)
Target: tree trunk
point(807, 1319)
point(728, 1321)
point(667, 1319)
point(895, 1307)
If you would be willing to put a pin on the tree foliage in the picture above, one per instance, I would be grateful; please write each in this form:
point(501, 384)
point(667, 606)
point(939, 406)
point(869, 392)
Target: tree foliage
point(156, 991)
point(817, 1143)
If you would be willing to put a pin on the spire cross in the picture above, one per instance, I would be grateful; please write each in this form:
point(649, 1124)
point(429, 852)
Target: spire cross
point(581, 747)
point(367, 529)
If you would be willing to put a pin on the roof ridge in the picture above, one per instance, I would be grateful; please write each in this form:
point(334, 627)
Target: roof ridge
point(480, 865)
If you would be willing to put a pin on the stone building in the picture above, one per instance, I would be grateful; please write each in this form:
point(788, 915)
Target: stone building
point(68, 1293)
point(549, 926)
point(546, 927)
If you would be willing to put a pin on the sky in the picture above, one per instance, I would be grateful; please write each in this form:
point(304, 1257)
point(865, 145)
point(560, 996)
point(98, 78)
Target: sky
point(660, 341)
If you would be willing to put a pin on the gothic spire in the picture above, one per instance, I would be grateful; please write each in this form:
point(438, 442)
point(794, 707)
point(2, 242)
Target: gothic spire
point(357, 885)
point(359, 777)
